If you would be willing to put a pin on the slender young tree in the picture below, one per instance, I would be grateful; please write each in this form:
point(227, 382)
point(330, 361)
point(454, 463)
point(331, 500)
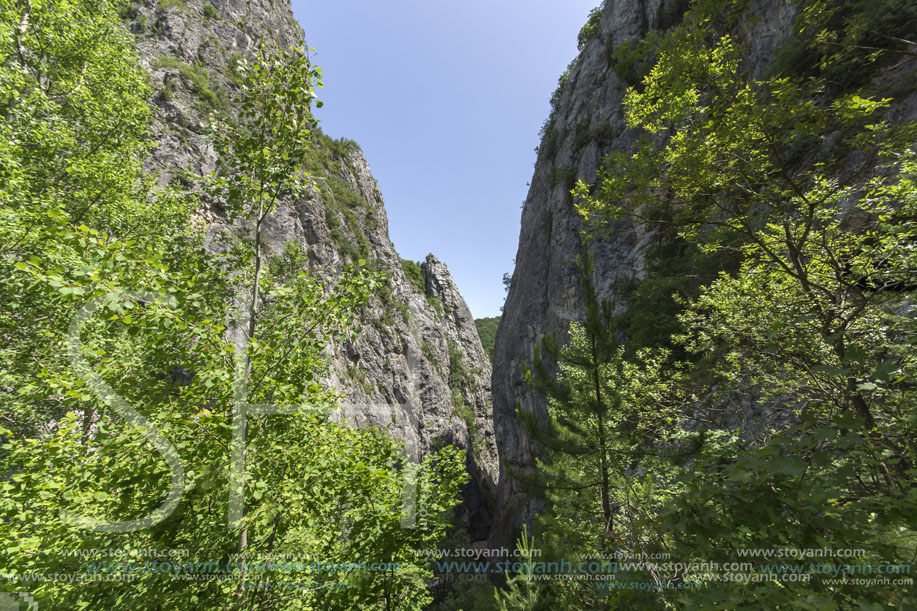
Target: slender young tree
point(82, 228)
point(261, 161)
point(582, 405)
point(602, 423)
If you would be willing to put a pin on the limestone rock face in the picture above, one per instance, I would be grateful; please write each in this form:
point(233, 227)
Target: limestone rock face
point(587, 124)
point(417, 368)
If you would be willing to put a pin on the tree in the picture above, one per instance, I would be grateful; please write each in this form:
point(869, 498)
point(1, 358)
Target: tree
point(261, 161)
point(111, 306)
point(813, 324)
point(487, 331)
point(598, 430)
point(521, 591)
point(584, 404)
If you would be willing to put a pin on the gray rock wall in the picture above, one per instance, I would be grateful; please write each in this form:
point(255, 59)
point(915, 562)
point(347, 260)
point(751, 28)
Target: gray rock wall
point(396, 374)
point(587, 124)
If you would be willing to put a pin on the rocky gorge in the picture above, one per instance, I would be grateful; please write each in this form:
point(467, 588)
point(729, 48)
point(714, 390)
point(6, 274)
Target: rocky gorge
point(417, 368)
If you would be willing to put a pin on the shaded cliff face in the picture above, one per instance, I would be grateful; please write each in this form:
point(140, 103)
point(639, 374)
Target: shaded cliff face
point(417, 368)
point(587, 123)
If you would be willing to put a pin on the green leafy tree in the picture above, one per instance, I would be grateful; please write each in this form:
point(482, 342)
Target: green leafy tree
point(487, 331)
point(821, 190)
point(261, 161)
point(111, 306)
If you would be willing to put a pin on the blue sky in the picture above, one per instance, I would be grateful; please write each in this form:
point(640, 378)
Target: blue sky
point(446, 100)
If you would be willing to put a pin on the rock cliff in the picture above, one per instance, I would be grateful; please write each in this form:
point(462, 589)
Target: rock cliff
point(417, 368)
point(587, 123)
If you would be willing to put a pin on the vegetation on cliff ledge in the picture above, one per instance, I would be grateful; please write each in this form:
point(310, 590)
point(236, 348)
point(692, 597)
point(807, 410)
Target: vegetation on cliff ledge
point(164, 434)
point(771, 407)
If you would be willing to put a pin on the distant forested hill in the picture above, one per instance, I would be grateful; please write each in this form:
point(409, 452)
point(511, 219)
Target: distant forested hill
point(487, 330)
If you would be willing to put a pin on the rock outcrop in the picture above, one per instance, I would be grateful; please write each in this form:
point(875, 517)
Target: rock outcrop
point(587, 123)
point(417, 368)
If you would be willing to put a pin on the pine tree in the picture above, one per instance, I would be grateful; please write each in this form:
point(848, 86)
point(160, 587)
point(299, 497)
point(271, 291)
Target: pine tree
point(584, 408)
point(603, 472)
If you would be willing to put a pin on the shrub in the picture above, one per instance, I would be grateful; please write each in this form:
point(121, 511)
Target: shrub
point(129, 11)
point(562, 175)
point(672, 13)
point(199, 77)
point(461, 380)
point(590, 31)
point(582, 133)
point(548, 134)
point(414, 274)
point(832, 42)
point(165, 94)
point(233, 73)
point(437, 307)
point(427, 349)
point(358, 375)
point(632, 61)
point(558, 92)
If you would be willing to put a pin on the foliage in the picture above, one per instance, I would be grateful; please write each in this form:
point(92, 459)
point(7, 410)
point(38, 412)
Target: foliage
point(561, 83)
point(521, 592)
point(210, 12)
point(81, 227)
point(461, 379)
point(462, 594)
point(429, 353)
point(590, 31)
point(632, 60)
point(414, 274)
point(233, 73)
point(214, 97)
point(53, 114)
point(846, 43)
point(548, 136)
point(461, 382)
point(812, 323)
point(347, 212)
point(467, 596)
point(604, 417)
point(563, 176)
point(71, 161)
point(672, 12)
point(487, 331)
point(676, 271)
point(548, 131)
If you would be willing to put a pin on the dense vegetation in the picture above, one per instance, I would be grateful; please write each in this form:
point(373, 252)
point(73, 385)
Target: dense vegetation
point(414, 274)
point(161, 418)
point(487, 331)
point(165, 442)
point(770, 405)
